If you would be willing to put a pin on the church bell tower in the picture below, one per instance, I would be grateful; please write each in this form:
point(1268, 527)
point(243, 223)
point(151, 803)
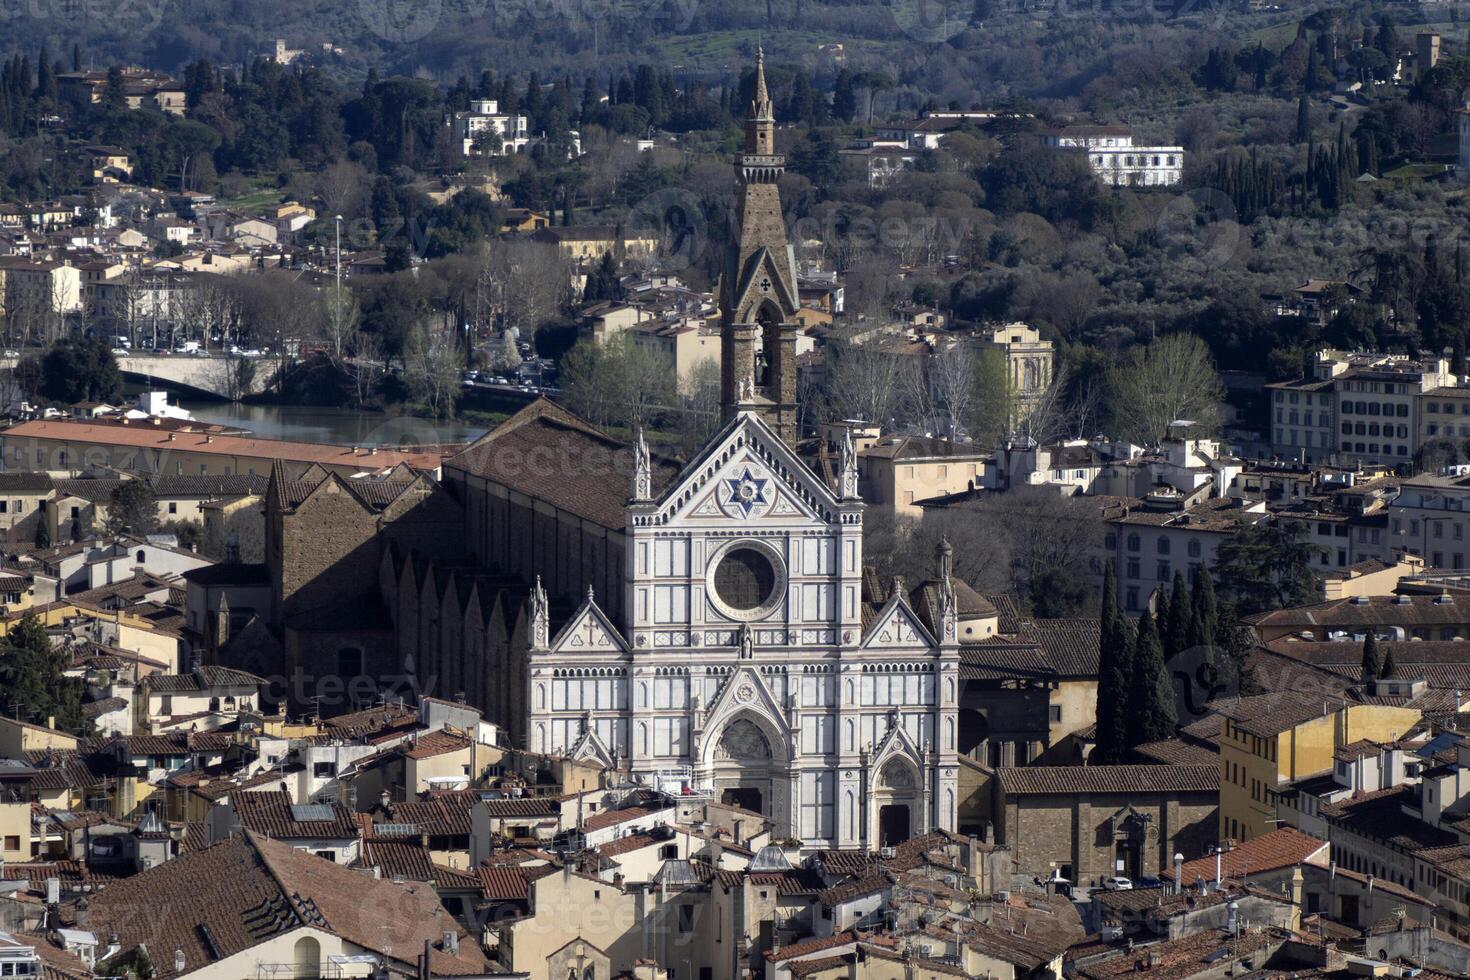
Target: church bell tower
point(759, 298)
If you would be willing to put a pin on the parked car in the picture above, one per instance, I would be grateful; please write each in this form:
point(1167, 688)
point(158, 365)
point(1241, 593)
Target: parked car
point(120, 352)
point(9, 352)
point(1117, 884)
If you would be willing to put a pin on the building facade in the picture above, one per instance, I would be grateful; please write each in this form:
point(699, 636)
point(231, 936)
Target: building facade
point(1114, 158)
point(750, 659)
point(1359, 407)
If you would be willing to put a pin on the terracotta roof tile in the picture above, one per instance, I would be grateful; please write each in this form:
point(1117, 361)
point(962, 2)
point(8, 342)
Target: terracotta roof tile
point(1067, 780)
point(1281, 848)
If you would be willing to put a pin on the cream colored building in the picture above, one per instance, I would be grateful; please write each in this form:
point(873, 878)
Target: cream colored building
point(45, 286)
point(1030, 362)
point(15, 831)
point(18, 737)
point(900, 472)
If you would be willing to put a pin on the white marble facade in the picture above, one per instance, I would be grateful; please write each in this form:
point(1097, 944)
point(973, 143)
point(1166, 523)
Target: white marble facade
point(745, 670)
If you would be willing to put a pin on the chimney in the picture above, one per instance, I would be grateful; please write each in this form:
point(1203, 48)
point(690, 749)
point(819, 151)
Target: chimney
point(1178, 872)
point(451, 942)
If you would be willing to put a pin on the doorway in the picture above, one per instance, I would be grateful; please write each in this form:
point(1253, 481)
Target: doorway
point(893, 824)
point(745, 797)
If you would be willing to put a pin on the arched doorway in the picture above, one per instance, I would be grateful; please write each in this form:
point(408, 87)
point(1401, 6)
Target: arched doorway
point(308, 957)
point(747, 767)
point(895, 802)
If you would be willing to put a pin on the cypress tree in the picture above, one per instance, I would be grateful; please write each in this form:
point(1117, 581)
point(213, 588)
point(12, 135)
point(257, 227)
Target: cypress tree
point(1389, 667)
point(1303, 120)
point(1181, 618)
point(1152, 714)
point(1205, 621)
point(1112, 682)
point(1372, 665)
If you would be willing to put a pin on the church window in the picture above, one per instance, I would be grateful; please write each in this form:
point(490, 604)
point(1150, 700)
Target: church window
point(745, 579)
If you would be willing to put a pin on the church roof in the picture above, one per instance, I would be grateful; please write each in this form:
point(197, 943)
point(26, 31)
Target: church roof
point(549, 453)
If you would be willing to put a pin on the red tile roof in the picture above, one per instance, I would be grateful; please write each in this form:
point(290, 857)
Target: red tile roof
point(1072, 780)
point(233, 446)
point(1281, 848)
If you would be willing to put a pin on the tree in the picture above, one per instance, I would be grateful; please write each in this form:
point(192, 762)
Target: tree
point(1115, 658)
point(80, 369)
point(863, 379)
point(1152, 714)
point(433, 365)
point(505, 355)
point(1180, 623)
point(1372, 662)
point(617, 382)
point(1390, 669)
point(36, 687)
point(1267, 566)
point(1171, 379)
point(132, 509)
point(1205, 619)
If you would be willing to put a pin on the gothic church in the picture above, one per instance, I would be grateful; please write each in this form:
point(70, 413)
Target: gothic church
point(710, 628)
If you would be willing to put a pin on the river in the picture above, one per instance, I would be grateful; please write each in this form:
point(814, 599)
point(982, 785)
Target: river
point(337, 426)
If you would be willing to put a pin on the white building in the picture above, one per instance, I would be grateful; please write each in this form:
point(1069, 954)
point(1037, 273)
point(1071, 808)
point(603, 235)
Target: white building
point(1114, 157)
point(749, 662)
point(484, 116)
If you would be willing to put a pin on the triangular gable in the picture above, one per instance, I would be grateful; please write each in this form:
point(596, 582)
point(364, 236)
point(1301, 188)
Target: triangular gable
point(747, 441)
point(896, 743)
point(898, 626)
point(745, 691)
point(762, 260)
point(589, 631)
point(590, 748)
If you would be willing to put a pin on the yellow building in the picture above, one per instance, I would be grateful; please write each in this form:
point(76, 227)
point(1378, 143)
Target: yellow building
point(899, 472)
point(128, 631)
point(1268, 741)
point(15, 832)
point(18, 737)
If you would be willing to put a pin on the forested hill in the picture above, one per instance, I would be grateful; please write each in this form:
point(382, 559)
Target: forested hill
point(949, 49)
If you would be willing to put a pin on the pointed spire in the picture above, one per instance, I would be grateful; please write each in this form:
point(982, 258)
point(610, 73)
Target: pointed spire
point(540, 616)
point(761, 106)
point(848, 475)
point(642, 469)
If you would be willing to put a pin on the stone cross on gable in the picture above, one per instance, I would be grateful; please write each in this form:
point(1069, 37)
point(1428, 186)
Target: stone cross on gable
point(590, 632)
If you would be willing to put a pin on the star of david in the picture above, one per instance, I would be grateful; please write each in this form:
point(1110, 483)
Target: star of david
point(746, 491)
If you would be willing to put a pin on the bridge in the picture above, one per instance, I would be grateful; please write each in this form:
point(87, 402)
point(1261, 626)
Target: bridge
point(216, 375)
point(211, 375)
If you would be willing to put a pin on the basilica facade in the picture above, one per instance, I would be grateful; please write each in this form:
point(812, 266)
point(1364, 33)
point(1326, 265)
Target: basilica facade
point(737, 647)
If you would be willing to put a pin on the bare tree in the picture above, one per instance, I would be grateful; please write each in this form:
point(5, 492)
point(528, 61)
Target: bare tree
point(1043, 417)
point(339, 321)
point(432, 367)
point(368, 365)
point(343, 189)
point(943, 389)
point(520, 285)
point(234, 376)
point(1172, 378)
point(863, 379)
